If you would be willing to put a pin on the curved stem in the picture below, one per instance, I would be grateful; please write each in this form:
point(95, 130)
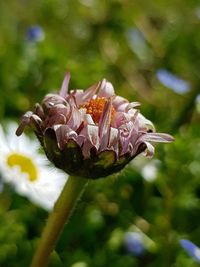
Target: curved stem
point(62, 211)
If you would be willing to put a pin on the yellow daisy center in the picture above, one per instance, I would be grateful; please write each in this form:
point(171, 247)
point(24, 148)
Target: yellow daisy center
point(95, 108)
point(25, 163)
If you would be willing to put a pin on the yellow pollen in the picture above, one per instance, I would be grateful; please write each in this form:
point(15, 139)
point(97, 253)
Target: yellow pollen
point(26, 165)
point(95, 108)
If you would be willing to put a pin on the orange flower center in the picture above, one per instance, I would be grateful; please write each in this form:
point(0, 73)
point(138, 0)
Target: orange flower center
point(95, 108)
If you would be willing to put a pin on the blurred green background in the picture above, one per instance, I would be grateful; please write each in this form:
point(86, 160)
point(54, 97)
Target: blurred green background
point(150, 51)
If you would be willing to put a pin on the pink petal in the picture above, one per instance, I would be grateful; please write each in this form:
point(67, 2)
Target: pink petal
point(51, 100)
point(90, 132)
point(25, 120)
point(87, 146)
point(145, 124)
point(113, 139)
point(36, 121)
point(77, 96)
point(91, 139)
point(119, 119)
point(149, 151)
point(63, 133)
point(71, 100)
point(80, 140)
point(120, 103)
point(129, 126)
point(88, 119)
point(56, 119)
point(39, 111)
point(85, 96)
point(59, 109)
point(134, 135)
point(58, 114)
point(65, 84)
point(76, 118)
point(129, 135)
point(126, 145)
point(132, 105)
point(104, 124)
point(122, 118)
point(106, 89)
point(157, 137)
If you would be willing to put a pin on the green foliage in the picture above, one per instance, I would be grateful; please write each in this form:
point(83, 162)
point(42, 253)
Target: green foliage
point(126, 42)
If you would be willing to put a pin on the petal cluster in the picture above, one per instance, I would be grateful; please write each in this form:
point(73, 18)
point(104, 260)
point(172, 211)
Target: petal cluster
point(91, 133)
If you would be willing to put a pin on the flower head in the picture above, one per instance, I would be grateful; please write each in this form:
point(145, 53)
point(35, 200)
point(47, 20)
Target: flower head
point(22, 166)
point(91, 133)
point(191, 249)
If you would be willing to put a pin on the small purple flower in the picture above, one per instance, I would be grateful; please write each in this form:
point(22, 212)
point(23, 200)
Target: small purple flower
point(134, 243)
point(172, 81)
point(91, 133)
point(191, 249)
point(35, 33)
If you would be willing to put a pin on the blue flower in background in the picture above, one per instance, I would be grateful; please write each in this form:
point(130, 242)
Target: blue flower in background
point(172, 81)
point(191, 249)
point(35, 34)
point(134, 243)
point(137, 43)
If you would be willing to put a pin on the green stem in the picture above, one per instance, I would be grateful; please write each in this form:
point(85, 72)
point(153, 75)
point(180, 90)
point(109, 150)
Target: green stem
point(60, 215)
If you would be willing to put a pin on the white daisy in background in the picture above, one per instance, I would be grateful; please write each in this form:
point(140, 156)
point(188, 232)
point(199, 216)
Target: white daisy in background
point(22, 166)
point(150, 171)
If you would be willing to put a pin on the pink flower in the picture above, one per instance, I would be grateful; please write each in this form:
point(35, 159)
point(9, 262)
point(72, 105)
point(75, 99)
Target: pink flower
point(91, 133)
